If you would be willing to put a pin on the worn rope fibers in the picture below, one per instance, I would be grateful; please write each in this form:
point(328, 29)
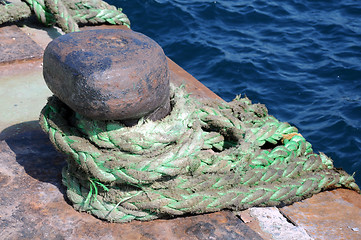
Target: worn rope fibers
point(203, 157)
point(66, 13)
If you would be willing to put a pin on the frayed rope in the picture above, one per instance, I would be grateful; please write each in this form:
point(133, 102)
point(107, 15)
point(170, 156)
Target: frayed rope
point(202, 157)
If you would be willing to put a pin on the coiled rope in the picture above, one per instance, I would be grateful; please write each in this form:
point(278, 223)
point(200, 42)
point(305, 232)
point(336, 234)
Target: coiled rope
point(66, 13)
point(202, 157)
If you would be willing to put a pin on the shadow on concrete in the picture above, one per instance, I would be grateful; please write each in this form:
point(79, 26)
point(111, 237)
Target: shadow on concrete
point(33, 22)
point(35, 152)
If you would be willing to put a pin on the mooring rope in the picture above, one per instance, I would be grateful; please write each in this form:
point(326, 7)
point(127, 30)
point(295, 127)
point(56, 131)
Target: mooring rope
point(66, 13)
point(13, 12)
point(202, 157)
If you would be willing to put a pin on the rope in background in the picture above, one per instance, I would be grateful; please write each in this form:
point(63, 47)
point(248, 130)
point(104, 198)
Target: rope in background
point(203, 157)
point(66, 13)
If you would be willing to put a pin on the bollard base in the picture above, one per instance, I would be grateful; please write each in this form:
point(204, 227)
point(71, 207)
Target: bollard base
point(162, 111)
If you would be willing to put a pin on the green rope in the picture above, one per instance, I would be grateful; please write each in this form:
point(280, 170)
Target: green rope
point(66, 13)
point(203, 157)
point(13, 12)
point(62, 16)
point(42, 13)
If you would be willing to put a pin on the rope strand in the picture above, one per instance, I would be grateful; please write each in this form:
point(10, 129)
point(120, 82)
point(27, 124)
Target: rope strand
point(200, 158)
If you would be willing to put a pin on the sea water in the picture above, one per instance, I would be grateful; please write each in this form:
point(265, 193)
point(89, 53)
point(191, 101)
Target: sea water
point(300, 58)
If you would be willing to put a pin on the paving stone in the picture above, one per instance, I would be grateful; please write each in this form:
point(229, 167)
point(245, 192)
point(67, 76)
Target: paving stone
point(40, 34)
point(253, 223)
point(328, 215)
point(273, 222)
point(15, 45)
point(23, 92)
point(109, 74)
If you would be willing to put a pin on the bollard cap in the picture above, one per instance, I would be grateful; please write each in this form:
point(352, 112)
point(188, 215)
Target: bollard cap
point(109, 74)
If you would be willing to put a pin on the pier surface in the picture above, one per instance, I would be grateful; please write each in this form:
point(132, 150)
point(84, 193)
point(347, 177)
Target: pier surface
point(33, 204)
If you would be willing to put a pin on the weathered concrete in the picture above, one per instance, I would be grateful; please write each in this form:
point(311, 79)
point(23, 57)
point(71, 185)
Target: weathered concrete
point(42, 36)
point(15, 45)
point(23, 92)
point(328, 215)
point(109, 74)
point(272, 222)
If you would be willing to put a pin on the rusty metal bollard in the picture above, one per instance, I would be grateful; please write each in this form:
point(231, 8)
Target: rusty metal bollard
point(109, 74)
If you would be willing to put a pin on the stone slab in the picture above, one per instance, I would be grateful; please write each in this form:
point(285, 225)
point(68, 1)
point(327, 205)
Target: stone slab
point(328, 215)
point(273, 222)
point(253, 222)
point(40, 34)
point(15, 45)
point(23, 92)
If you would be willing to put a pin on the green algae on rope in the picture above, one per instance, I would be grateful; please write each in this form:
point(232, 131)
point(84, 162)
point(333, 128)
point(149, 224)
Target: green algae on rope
point(202, 157)
point(13, 12)
point(66, 13)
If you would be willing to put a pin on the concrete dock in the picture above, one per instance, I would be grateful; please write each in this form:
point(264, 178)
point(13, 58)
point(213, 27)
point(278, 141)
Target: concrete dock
point(33, 204)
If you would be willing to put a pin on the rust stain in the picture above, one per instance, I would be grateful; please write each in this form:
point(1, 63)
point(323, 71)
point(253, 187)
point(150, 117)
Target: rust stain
point(179, 77)
point(328, 215)
point(290, 136)
point(254, 224)
point(16, 46)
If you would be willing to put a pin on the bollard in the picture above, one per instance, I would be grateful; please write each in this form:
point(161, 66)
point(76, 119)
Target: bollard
point(203, 157)
point(109, 74)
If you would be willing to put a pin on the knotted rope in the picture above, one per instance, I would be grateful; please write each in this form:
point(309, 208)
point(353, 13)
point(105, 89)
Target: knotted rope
point(66, 13)
point(202, 157)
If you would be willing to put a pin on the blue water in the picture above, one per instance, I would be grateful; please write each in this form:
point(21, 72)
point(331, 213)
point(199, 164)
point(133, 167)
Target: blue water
point(302, 59)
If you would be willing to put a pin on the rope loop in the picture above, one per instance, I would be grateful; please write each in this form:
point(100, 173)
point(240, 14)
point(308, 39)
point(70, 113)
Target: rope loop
point(202, 157)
